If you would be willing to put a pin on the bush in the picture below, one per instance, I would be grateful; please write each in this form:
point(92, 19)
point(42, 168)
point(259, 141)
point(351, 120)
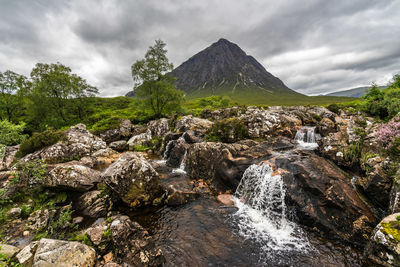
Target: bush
point(11, 134)
point(388, 132)
point(228, 131)
point(333, 108)
point(39, 141)
point(30, 172)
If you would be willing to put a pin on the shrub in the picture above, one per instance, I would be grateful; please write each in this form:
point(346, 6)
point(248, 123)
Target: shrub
point(388, 132)
point(11, 134)
point(333, 108)
point(317, 117)
point(39, 141)
point(31, 171)
point(228, 131)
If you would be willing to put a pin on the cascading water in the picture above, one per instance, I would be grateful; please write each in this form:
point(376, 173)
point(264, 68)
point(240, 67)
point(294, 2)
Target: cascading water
point(306, 137)
point(262, 215)
point(182, 166)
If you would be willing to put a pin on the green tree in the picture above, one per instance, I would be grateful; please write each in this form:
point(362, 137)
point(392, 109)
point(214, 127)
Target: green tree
point(58, 97)
point(11, 134)
point(151, 82)
point(12, 88)
point(395, 83)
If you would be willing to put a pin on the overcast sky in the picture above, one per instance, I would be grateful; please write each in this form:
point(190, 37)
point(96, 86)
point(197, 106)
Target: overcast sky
point(313, 46)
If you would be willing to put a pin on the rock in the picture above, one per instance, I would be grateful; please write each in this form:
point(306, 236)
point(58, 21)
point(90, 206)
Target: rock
point(39, 220)
point(384, 245)
point(8, 157)
point(158, 128)
point(77, 220)
point(133, 179)
point(177, 195)
point(119, 145)
point(226, 199)
point(197, 125)
point(191, 138)
point(326, 126)
point(175, 152)
point(140, 139)
point(96, 234)
point(376, 185)
point(52, 252)
point(72, 176)
point(105, 153)
point(112, 135)
point(94, 204)
point(78, 143)
point(25, 256)
point(323, 197)
point(125, 129)
point(132, 244)
point(8, 251)
point(14, 213)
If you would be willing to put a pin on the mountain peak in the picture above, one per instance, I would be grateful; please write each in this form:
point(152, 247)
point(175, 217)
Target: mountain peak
point(224, 68)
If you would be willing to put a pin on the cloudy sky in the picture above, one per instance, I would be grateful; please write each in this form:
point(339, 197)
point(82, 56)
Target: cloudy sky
point(313, 46)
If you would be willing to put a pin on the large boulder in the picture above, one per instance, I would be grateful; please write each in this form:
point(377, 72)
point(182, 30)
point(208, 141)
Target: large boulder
point(323, 197)
point(25, 256)
point(384, 246)
point(119, 146)
point(139, 139)
point(52, 252)
point(71, 176)
point(94, 204)
point(197, 125)
point(158, 128)
point(133, 179)
point(125, 129)
point(78, 143)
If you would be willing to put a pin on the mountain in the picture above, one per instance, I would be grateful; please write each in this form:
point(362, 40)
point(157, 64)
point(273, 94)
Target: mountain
point(224, 68)
point(354, 92)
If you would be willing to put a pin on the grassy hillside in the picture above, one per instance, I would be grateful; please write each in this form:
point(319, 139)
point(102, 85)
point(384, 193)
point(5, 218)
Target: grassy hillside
point(355, 92)
point(258, 96)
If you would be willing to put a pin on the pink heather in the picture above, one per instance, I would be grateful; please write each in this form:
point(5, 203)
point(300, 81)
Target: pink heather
point(389, 131)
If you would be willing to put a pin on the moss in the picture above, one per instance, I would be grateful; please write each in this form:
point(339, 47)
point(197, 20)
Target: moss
point(333, 108)
point(140, 148)
point(392, 228)
point(228, 131)
point(83, 238)
point(317, 117)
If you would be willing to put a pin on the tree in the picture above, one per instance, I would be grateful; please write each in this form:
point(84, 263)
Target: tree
point(58, 96)
point(152, 84)
point(11, 134)
point(12, 88)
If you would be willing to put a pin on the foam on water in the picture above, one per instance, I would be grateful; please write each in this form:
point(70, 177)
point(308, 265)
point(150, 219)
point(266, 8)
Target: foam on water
point(182, 166)
point(305, 137)
point(262, 214)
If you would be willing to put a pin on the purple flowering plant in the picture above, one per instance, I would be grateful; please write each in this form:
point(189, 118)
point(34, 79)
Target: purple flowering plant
point(388, 132)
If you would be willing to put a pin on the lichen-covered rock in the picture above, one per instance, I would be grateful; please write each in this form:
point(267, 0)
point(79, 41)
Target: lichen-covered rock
point(197, 125)
point(72, 176)
point(78, 143)
point(94, 204)
point(140, 139)
point(119, 146)
point(158, 128)
point(133, 179)
point(8, 251)
point(125, 129)
point(178, 195)
point(111, 135)
point(14, 213)
point(39, 219)
point(25, 256)
point(8, 157)
point(384, 245)
point(326, 126)
point(52, 252)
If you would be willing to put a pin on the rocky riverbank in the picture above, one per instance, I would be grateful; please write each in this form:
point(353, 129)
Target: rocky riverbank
point(81, 200)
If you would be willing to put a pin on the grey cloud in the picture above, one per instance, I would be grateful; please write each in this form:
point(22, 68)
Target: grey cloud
point(357, 41)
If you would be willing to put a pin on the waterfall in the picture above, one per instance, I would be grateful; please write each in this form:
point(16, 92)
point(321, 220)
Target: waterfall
point(182, 166)
point(306, 137)
point(262, 213)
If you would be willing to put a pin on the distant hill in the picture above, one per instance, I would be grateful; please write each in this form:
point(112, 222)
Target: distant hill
point(355, 92)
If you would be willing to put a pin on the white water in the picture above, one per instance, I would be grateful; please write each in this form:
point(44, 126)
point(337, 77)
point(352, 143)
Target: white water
point(262, 214)
point(182, 166)
point(306, 137)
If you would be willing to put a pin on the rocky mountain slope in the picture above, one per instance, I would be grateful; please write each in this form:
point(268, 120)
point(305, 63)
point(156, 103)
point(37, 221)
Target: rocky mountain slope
point(354, 92)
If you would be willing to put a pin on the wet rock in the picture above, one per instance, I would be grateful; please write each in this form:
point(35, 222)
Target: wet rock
point(8, 157)
point(133, 179)
point(94, 204)
point(226, 199)
point(72, 176)
point(52, 252)
point(177, 195)
point(8, 251)
point(384, 246)
point(197, 125)
point(119, 145)
point(133, 244)
point(191, 138)
point(25, 256)
point(140, 139)
point(14, 213)
point(377, 185)
point(175, 152)
point(125, 129)
point(324, 198)
point(110, 136)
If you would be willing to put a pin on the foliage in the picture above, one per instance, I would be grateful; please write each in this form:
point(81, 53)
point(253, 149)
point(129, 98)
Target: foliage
point(333, 108)
point(30, 172)
point(39, 141)
point(12, 88)
point(227, 131)
point(57, 96)
point(83, 238)
point(152, 85)
point(317, 117)
point(11, 134)
point(140, 148)
point(388, 132)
